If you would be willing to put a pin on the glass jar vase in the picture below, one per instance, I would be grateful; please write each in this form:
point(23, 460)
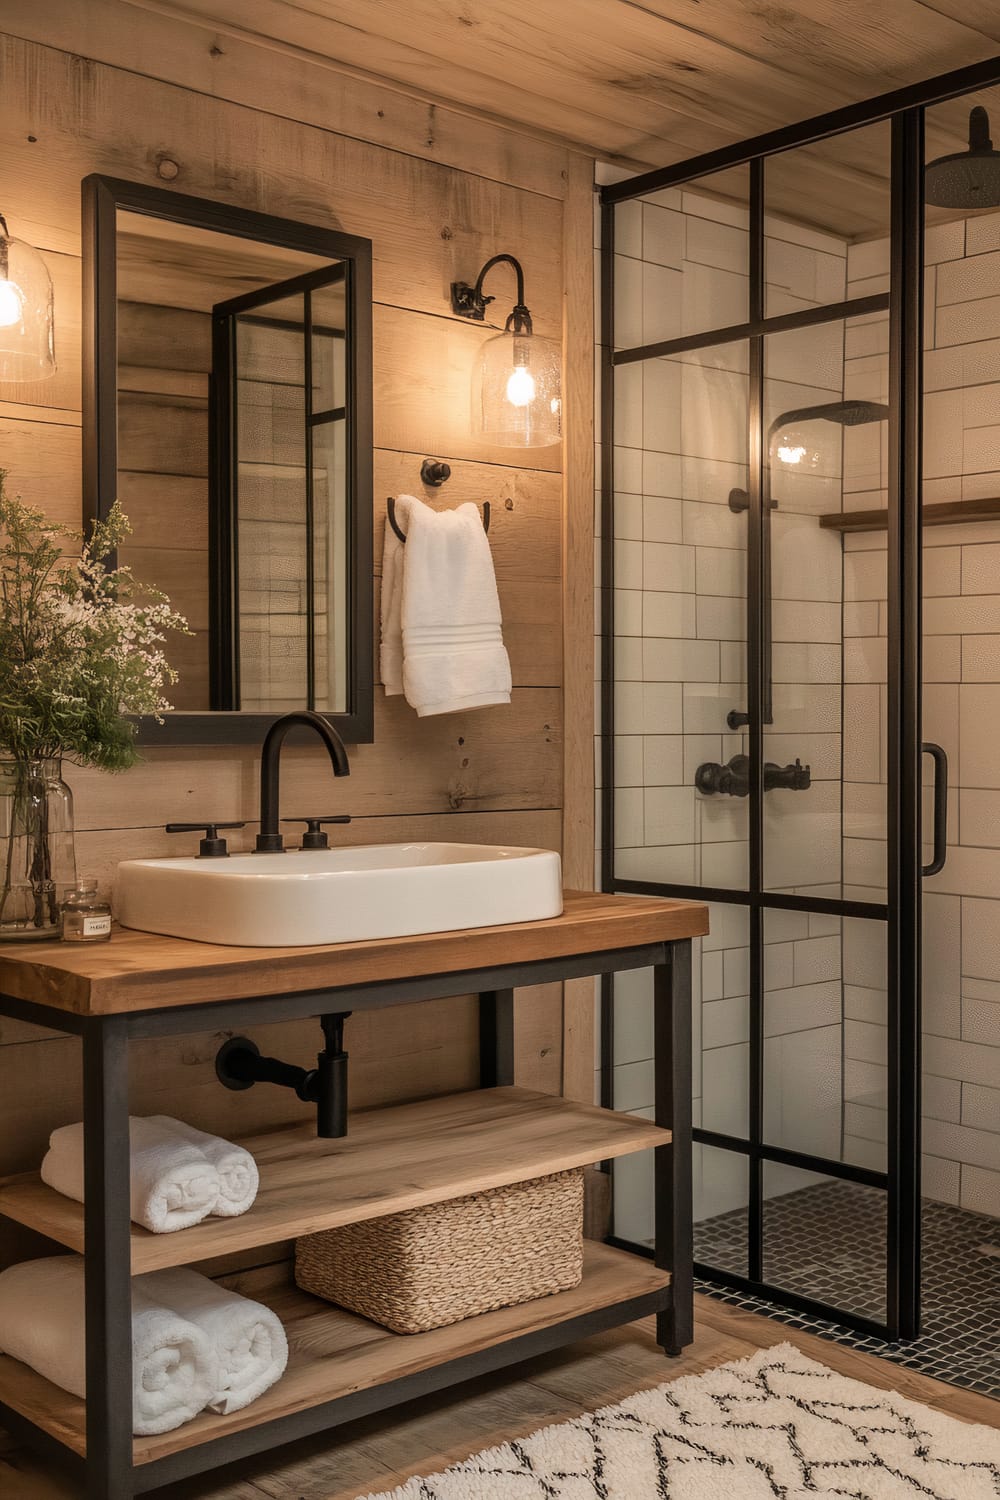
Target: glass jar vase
point(37, 858)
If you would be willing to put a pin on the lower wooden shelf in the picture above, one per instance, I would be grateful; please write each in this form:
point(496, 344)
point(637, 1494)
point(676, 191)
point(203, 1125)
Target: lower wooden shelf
point(333, 1353)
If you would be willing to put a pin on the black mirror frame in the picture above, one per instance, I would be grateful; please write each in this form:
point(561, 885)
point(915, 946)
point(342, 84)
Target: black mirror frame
point(102, 197)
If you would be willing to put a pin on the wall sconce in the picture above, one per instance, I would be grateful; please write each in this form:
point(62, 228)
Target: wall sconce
point(27, 341)
point(517, 379)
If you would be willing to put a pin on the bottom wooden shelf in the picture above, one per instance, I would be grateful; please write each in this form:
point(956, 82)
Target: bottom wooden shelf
point(333, 1354)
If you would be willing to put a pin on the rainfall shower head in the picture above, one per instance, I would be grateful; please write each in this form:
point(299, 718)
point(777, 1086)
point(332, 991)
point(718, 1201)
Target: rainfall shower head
point(847, 413)
point(967, 179)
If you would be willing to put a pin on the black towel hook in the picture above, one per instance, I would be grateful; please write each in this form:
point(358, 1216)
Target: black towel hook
point(390, 510)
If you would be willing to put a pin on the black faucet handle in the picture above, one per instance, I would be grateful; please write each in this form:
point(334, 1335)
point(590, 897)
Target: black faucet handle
point(211, 846)
point(314, 838)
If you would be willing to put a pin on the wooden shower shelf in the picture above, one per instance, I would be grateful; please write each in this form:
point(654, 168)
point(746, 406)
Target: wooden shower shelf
point(333, 1354)
point(948, 512)
point(392, 1159)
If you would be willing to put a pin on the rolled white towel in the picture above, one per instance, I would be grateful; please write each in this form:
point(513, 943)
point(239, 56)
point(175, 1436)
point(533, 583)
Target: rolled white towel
point(173, 1184)
point(239, 1178)
point(248, 1338)
point(174, 1366)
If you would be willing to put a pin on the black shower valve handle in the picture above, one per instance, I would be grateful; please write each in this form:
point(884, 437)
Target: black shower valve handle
point(314, 837)
point(211, 846)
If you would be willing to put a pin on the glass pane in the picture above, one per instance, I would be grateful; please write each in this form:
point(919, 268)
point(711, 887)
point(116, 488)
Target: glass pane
point(272, 529)
point(961, 693)
point(682, 260)
point(330, 565)
point(826, 438)
point(722, 1022)
point(825, 1036)
point(825, 1239)
point(721, 1196)
point(826, 221)
point(680, 614)
point(328, 346)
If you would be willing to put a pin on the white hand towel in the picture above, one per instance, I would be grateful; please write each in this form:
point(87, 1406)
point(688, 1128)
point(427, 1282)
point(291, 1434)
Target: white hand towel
point(174, 1185)
point(239, 1178)
point(449, 654)
point(248, 1338)
point(174, 1367)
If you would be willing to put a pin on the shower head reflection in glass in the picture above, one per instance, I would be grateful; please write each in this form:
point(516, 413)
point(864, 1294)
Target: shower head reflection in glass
point(792, 445)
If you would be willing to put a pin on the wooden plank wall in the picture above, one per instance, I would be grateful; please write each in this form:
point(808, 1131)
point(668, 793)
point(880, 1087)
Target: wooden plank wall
point(496, 775)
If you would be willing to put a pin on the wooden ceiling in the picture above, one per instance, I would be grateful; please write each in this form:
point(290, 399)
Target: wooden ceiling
point(643, 82)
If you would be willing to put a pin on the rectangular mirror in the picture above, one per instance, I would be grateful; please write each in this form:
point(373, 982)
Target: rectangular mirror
point(227, 404)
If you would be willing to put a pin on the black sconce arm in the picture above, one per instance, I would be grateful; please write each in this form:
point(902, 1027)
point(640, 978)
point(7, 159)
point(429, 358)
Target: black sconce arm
point(469, 302)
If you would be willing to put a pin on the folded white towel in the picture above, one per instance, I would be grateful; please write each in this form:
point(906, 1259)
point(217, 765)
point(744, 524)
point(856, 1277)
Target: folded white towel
point(174, 1185)
point(239, 1178)
point(248, 1338)
point(441, 639)
point(174, 1367)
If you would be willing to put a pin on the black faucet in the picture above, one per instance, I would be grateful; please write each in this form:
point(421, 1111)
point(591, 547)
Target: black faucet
point(733, 780)
point(269, 840)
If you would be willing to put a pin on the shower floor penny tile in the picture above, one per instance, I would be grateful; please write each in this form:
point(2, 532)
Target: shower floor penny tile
point(828, 1242)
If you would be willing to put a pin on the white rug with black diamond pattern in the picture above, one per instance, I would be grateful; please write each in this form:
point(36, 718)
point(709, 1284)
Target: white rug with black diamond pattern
point(776, 1426)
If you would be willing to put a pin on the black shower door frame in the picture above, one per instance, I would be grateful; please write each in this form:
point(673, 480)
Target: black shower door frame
point(901, 912)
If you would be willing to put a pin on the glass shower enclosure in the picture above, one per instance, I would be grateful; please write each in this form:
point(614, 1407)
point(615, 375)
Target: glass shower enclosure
point(772, 315)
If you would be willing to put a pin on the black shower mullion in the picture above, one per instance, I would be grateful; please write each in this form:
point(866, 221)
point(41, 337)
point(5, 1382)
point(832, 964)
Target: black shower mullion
point(756, 607)
point(607, 556)
point(904, 735)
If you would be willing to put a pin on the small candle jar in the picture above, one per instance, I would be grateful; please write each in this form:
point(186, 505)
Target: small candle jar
point(86, 915)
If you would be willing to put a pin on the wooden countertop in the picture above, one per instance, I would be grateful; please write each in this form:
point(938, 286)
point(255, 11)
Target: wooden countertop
point(140, 971)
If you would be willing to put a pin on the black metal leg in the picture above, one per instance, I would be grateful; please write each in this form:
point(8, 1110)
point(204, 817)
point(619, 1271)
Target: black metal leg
point(108, 1265)
point(496, 1038)
point(672, 1169)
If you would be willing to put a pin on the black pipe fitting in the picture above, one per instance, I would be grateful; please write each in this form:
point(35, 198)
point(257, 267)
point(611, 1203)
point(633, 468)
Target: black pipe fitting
point(239, 1065)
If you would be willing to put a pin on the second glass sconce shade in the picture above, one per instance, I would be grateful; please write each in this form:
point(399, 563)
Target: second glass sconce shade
point(27, 340)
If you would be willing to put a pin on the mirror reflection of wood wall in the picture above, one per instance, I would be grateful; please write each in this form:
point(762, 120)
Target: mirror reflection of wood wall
point(170, 276)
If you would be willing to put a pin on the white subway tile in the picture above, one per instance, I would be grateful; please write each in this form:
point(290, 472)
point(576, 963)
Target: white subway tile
point(628, 817)
point(967, 322)
point(942, 964)
point(628, 760)
point(960, 1143)
point(633, 1016)
point(667, 568)
point(721, 619)
point(981, 1190)
point(628, 522)
point(628, 470)
point(680, 661)
point(942, 660)
point(968, 1061)
point(725, 1022)
point(720, 210)
point(939, 1179)
point(628, 406)
point(658, 404)
point(725, 865)
point(867, 258)
point(628, 565)
point(816, 960)
point(980, 734)
point(662, 519)
point(671, 615)
point(804, 620)
point(942, 571)
point(660, 474)
point(801, 1007)
point(981, 1024)
point(968, 278)
point(980, 1107)
point(662, 760)
point(724, 1089)
point(628, 658)
point(669, 815)
point(722, 245)
point(662, 235)
point(663, 302)
point(721, 571)
point(628, 611)
point(628, 302)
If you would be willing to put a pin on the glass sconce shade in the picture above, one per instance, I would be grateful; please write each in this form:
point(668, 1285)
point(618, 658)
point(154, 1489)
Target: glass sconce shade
point(516, 391)
point(27, 337)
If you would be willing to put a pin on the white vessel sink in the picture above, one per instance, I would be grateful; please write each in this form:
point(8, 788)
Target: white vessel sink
point(339, 895)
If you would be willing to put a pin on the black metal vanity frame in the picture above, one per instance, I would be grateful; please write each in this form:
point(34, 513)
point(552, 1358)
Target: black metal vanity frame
point(108, 1472)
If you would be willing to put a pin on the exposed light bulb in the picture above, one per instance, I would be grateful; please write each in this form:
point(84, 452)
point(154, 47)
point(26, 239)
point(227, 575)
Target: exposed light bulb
point(11, 304)
point(521, 387)
point(792, 455)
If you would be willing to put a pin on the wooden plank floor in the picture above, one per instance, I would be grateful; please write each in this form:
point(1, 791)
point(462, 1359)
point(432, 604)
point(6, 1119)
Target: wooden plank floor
point(427, 1435)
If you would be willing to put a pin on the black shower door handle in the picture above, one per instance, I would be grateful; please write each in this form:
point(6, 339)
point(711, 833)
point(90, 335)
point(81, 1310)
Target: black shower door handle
point(940, 807)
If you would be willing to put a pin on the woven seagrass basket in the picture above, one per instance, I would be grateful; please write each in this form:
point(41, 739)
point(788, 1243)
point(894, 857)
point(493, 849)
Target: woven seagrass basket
point(430, 1266)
